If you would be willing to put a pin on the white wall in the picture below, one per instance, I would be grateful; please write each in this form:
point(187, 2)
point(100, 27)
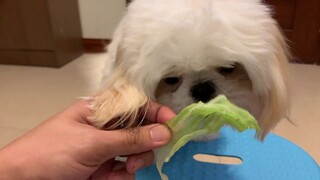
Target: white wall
point(100, 17)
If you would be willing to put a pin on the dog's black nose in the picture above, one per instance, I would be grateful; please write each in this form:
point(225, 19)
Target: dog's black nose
point(203, 91)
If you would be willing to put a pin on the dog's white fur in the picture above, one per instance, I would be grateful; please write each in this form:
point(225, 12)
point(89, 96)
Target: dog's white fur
point(190, 39)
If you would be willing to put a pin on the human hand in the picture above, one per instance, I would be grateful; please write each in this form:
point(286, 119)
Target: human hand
point(66, 147)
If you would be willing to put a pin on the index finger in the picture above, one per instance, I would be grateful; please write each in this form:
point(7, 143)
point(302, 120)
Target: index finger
point(158, 113)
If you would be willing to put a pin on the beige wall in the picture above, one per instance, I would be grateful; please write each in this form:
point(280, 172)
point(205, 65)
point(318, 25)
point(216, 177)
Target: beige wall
point(100, 17)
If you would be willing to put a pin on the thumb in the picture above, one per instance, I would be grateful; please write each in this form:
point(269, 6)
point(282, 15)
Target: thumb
point(133, 141)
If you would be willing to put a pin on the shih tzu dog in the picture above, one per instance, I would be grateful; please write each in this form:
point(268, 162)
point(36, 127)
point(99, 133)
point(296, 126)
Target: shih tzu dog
point(178, 52)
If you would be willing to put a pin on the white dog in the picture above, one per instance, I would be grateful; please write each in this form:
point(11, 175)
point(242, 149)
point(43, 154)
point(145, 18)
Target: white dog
point(178, 52)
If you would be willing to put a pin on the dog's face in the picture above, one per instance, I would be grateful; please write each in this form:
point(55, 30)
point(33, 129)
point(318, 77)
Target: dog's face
point(183, 51)
point(180, 90)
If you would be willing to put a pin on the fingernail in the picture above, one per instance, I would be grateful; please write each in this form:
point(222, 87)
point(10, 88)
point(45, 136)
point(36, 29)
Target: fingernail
point(86, 97)
point(160, 133)
point(138, 164)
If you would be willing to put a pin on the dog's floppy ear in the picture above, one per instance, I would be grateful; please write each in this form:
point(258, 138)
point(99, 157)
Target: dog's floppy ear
point(113, 52)
point(277, 98)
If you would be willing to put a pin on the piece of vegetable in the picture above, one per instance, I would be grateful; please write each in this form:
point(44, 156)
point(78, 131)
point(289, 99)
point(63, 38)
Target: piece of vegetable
point(200, 119)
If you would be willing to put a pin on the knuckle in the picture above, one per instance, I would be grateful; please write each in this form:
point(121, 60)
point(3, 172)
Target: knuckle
point(133, 138)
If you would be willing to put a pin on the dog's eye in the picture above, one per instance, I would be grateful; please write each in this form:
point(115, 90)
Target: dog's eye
point(172, 80)
point(226, 70)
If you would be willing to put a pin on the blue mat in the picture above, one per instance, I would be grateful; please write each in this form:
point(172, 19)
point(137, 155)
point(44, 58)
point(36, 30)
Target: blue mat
point(274, 159)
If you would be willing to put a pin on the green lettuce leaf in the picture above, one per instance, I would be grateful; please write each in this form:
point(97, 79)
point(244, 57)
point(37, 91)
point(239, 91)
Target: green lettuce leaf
point(201, 119)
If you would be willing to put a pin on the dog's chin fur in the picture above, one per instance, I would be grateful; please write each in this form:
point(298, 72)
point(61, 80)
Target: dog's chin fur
point(192, 40)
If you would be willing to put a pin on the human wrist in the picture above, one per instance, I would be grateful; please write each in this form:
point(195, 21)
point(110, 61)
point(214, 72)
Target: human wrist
point(9, 166)
point(15, 165)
